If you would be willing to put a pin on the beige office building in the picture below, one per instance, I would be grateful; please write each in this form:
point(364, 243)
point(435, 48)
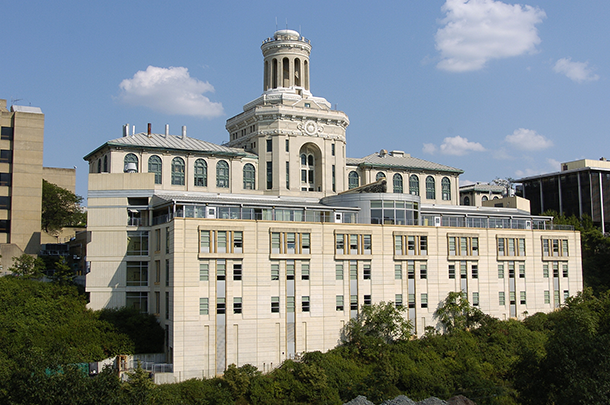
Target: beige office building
point(263, 248)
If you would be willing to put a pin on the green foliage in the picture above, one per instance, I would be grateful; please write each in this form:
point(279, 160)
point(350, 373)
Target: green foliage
point(60, 208)
point(143, 329)
point(456, 313)
point(63, 274)
point(377, 324)
point(139, 388)
point(27, 266)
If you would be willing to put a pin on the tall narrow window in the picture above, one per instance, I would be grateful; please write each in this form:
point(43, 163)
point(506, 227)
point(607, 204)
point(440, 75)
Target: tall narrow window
point(222, 174)
point(201, 173)
point(414, 185)
point(131, 163)
point(249, 177)
point(287, 175)
point(155, 166)
point(353, 180)
point(105, 166)
point(397, 183)
point(178, 171)
point(269, 175)
point(334, 178)
point(430, 188)
point(446, 188)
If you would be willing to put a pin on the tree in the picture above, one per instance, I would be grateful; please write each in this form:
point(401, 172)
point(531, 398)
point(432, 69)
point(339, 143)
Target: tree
point(456, 313)
point(63, 274)
point(375, 324)
point(143, 329)
point(60, 208)
point(27, 266)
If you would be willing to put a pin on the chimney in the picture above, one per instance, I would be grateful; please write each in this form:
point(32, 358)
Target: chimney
point(125, 130)
point(134, 130)
point(166, 130)
point(149, 129)
point(184, 132)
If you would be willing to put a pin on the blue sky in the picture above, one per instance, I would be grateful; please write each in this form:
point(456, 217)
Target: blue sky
point(497, 89)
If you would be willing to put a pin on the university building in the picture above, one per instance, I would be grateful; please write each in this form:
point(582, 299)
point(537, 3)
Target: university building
point(263, 248)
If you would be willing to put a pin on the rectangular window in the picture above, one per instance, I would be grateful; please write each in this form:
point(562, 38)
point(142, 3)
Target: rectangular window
point(287, 175)
point(167, 272)
point(511, 246)
point(353, 244)
point(137, 274)
point(521, 247)
point(305, 271)
point(157, 272)
point(340, 243)
point(287, 145)
point(339, 303)
point(166, 240)
point(500, 270)
point(221, 305)
point(137, 300)
point(367, 300)
point(305, 303)
point(237, 305)
point(566, 294)
point(424, 300)
point(522, 297)
point(167, 308)
point(290, 304)
point(332, 149)
point(221, 241)
point(555, 270)
point(137, 243)
point(275, 271)
point(475, 271)
point(236, 271)
point(6, 156)
point(275, 304)
point(204, 306)
point(269, 145)
point(475, 299)
point(398, 245)
point(5, 179)
point(511, 298)
point(564, 247)
point(547, 297)
point(545, 270)
point(411, 270)
point(6, 133)
point(511, 269)
point(366, 242)
point(501, 298)
point(366, 271)
point(5, 203)
point(398, 272)
point(205, 242)
point(423, 271)
point(275, 242)
point(452, 271)
point(289, 269)
point(305, 243)
point(353, 270)
point(204, 271)
point(353, 302)
point(157, 303)
point(398, 300)
point(221, 268)
point(339, 271)
point(565, 270)
point(463, 270)
point(521, 270)
point(333, 178)
point(411, 300)
point(269, 175)
point(556, 297)
point(238, 241)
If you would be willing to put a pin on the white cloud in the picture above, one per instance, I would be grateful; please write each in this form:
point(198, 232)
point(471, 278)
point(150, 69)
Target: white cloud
point(459, 146)
point(502, 154)
point(475, 31)
point(577, 71)
point(554, 165)
point(429, 148)
point(170, 91)
point(528, 139)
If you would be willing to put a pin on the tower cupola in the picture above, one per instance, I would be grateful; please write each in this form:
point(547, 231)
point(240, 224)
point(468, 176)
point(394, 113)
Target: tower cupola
point(286, 61)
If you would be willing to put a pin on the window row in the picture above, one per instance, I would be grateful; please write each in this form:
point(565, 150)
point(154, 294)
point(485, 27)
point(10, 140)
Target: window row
point(352, 244)
point(136, 274)
point(353, 179)
point(463, 245)
point(463, 267)
point(411, 267)
point(555, 265)
point(556, 295)
point(398, 300)
point(178, 170)
point(555, 247)
point(410, 245)
point(222, 266)
point(511, 247)
point(211, 241)
point(354, 270)
point(511, 267)
point(512, 298)
point(290, 242)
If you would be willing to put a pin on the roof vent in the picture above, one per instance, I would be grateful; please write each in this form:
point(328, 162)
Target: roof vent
point(184, 132)
point(131, 168)
point(125, 130)
point(149, 130)
point(166, 130)
point(397, 153)
point(383, 152)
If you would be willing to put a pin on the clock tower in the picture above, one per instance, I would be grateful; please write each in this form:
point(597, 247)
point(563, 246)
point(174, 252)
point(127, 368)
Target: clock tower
point(299, 139)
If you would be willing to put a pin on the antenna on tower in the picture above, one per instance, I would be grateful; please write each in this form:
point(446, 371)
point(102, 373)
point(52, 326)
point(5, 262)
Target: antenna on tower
point(300, 30)
point(286, 23)
point(276, 23)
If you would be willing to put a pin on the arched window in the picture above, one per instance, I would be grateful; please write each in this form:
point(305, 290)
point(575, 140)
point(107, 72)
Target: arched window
point(379, 176)
point(484, 198)
point(99, 166)
point(222, 174)
point(201, 173)
point(466, 200)
point(155, 166)
point(397, 183)
point(430, 188)
point(353, 180)
point(446, 188)
point(178, 171)
point(131, 163)
point(105, 166)
point(249, 177)
point(414, 185)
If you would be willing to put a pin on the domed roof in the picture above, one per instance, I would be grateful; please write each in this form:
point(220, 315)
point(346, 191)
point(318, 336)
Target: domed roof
point(286, 34)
